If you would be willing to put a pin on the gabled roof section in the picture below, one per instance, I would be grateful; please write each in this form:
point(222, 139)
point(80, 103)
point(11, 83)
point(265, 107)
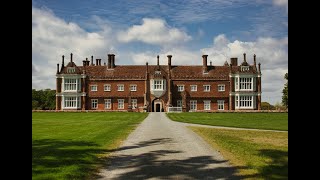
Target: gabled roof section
point(71, 68)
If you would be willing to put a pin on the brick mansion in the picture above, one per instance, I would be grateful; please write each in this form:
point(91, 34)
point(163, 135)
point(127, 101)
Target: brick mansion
point(160, 87)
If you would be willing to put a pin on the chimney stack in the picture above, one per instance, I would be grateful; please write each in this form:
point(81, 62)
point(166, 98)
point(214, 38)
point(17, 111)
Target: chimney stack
point(204, 63)
point(71, 57)
point(62, 64)
point(84, 63)
point(58, 68)
point(234, 61)
point(259, 67)
point(97, 62)
point(210, 63)
point(244, 57)
point(169, 61)
point(91, 60)
point(254, 60)
point(112, 61)
point(158, 60)
point(109, 61)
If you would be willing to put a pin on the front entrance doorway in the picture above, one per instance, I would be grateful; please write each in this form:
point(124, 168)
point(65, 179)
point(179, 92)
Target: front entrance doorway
point(157, 106)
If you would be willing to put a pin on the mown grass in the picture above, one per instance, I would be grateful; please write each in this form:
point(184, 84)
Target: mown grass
point(71, 145)
point(272, 121)
point(260, 154)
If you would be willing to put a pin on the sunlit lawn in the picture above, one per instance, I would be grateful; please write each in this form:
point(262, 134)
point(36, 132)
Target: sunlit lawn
point(68, 145)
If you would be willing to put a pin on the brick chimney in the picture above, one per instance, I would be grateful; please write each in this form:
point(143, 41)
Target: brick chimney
point(244, 57)
point(109, 61)
point(254, 60)
point(169, 61)
point(97, 62)
point(92, 61)
point(84, 62)
point(204, 63)
point(234, 61)
point(158, 60)
point(113, 61)
point(259, 66)
point(62, 64)
point(71, 57)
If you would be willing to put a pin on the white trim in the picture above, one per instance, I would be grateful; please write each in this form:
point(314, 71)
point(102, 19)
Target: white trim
point(119, 103)
point(133, 85)
point(96, 104)
point(205, 104)
point(106, 85)
point(93, 85)
point(71, 76)
point(109, 102)
point(192, 103)
point(206, 85)
point(223, 89)
point(193, 86)
point(244, 102)
point(120, 85)
point(134, 101)
point(220, 103)
point(179, 86)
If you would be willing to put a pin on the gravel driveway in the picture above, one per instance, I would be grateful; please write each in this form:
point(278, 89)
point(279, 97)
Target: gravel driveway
point(163, 149)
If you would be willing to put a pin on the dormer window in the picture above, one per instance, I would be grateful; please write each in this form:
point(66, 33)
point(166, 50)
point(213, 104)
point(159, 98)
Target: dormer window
point(244, 68)
point(157, 72)
point(71, 70)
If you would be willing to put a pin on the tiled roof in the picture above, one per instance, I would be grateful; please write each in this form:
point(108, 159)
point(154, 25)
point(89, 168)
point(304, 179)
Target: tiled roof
point(177, 72)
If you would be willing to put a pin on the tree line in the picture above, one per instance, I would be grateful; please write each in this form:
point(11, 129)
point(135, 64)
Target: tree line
point(44, 99)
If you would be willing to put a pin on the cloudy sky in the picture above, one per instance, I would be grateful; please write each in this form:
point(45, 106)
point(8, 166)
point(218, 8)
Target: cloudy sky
point(138, 30)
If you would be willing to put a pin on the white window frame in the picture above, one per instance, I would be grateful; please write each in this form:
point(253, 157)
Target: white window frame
point(180, 88)
point(71, 84)
point(193, 105)
point(133, 87)
point(221, 87)
point(94, 104)
point(134, 103)
point(71, 69)
point(207, 105)
point(107, 87)
point(119, 87)
point(193, 88)
point(244, 68)
point(245, 83)
point(107, 104)
point(122, 103)
point(93, 87)
point(71, 102)
point(179, 103)
point(220, 104)
point(158, 84)
point(205, 89)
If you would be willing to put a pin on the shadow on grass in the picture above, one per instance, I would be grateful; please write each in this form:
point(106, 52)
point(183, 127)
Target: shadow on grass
point(64, 159)
point(278, 167)
point(155, 164)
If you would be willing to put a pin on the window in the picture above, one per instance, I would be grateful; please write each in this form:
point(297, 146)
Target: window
point(245, 83)
point(221, 87)
point(107, 103)
point(193, 105)
point(133, 87)
point(120, 87)
point(206, 87)
point(180, 88)
point(244, 68)
point(71, 85)
point(245, 101)
point(134, 103)
point(94, 87)
point(158, 85)
point(71, 102)
point(107, 87)
point(71, 70)
point(220, 104)
point(207, 105)
point(157, 72)
point(193, 87)
point(120, 103)
point(179, 103)
point(94, 103)
point(237, 83)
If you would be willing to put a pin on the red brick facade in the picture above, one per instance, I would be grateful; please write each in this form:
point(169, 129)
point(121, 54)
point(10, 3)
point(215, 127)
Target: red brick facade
point(202, 88)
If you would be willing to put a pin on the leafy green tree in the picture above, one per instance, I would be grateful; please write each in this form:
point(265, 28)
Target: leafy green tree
point(43, 99)
point(267, 106)
point(285, 92)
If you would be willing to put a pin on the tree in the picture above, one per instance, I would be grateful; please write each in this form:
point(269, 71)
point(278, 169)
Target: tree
point(285, 92)
point(43, 99)
point(267, 106)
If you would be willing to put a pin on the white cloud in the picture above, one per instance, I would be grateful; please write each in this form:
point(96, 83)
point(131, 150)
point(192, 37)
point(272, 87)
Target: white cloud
point(270, 52)
point(154, 31)
point(53, 37)
point(281, 3)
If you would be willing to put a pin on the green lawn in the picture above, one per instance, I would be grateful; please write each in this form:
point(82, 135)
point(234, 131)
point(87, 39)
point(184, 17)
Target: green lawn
point(274, 121)
point(70, 145)
point(256, 154)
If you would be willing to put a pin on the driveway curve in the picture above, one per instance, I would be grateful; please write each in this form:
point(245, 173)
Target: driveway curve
point(163, 149)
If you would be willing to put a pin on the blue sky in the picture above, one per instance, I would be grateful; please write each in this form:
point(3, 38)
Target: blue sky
point(138, 30)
